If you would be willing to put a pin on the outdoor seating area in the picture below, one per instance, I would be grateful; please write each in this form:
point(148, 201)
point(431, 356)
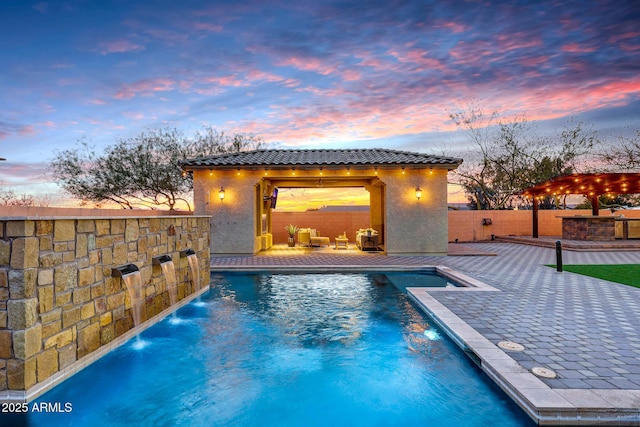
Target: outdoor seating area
point(367, 239)
point(312, 237)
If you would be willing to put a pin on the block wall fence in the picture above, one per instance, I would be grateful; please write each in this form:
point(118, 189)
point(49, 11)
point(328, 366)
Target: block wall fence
point(328, 224)
point(466, 226)
point(58, 300)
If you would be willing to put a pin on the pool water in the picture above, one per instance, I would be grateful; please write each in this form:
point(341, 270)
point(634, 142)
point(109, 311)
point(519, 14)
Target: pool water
point(287, 350)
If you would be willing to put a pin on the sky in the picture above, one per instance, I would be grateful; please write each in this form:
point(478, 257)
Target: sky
point(304, 74)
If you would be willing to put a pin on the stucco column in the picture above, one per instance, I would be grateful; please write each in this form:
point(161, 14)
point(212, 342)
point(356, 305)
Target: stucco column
point(232, 218)
point(376, 209)
point(416, 226)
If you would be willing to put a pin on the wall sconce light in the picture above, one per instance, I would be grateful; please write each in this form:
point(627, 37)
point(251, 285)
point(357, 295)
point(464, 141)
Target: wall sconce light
point(418, 192)
point(221, 193)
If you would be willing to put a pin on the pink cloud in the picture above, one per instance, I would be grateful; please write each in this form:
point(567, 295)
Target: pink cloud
point(471, 52)
point(145, 87)
point(380, 116)
point(134, 115)
point(171, 37)
point(420, 57)
point(307, 64)
point(534, 61)
point(226, 81)
point(304, 125)
point(456, 27)
point(215, 85)
point(209, 91)
point(351, 75)
point(8, 129)
point(259, 75)
point(576, 48)
point(517, 40)
point(119, 46)
point(206, 26)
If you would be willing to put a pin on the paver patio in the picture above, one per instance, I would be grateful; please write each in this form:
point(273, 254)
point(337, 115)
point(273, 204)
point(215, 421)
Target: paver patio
point(584, 329)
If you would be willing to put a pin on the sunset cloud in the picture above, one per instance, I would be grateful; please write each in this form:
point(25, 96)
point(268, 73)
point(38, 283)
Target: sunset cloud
point(309, 74)
point(145, 87)
point(119, 46)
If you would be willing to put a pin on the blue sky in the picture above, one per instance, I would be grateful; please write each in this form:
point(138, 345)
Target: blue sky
point(305, 74)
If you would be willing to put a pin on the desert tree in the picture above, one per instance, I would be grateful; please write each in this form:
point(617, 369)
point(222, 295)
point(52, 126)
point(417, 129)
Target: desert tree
point(9, 197)
point(144, 170)
point(623, 153)
point(508, 156)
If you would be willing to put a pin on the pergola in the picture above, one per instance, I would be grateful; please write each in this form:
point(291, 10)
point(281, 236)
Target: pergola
point(590, 185)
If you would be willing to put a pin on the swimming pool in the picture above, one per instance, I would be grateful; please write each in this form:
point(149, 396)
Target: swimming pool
point(281, 350)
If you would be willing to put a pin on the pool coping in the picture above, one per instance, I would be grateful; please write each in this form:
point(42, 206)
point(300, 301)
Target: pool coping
point(543, 404)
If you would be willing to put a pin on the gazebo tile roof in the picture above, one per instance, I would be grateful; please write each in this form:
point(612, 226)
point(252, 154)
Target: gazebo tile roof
point(319, 157)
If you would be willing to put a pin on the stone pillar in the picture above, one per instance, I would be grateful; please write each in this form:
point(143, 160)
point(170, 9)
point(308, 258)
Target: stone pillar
point(20, 330)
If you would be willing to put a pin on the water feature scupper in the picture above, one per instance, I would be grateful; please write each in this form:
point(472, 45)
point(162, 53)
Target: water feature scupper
point(192, 258)
point(131, 276)
point(168, 269)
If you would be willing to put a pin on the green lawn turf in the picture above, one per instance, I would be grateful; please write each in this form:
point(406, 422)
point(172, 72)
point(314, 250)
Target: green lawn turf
point(628, 274)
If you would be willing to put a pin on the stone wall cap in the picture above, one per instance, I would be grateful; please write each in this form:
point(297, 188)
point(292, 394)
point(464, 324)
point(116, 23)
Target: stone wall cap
point(94, 217)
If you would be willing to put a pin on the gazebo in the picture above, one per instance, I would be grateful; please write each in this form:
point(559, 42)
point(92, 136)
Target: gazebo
point(592, 186)
point(407, 192)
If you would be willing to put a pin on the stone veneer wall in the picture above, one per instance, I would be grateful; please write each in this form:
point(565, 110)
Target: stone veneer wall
point(58, 301)
point(589, 228)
